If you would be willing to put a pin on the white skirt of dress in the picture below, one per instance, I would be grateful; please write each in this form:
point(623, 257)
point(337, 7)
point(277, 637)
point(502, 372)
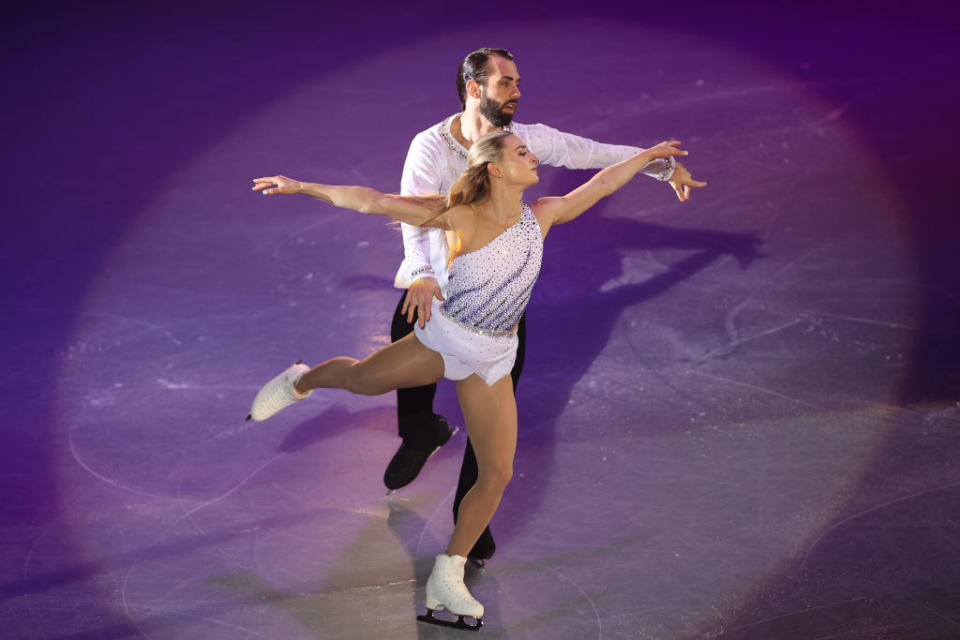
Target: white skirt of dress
point(466, 350)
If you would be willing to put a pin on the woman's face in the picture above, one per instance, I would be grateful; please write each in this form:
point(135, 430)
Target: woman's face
point(517, 164)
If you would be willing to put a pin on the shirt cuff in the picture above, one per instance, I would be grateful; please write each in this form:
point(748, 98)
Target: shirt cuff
point(422, 272)
point(660, 169)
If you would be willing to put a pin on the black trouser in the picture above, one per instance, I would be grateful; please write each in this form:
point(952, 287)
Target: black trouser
point(419, 400)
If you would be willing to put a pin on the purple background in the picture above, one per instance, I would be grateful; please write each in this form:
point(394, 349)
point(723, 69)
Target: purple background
point(738, 416)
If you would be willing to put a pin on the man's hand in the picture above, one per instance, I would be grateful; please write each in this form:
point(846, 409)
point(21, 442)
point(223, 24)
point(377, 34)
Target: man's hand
point(419, 298)
point(681, 181)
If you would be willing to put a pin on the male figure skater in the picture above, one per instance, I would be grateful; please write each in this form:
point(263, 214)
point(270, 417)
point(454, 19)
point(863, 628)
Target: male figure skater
point(488, 85)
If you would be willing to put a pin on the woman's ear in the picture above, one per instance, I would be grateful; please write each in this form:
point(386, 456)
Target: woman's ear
point(494, 171)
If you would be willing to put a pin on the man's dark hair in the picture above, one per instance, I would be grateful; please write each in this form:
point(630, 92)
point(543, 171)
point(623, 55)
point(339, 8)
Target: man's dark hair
point(474, 67)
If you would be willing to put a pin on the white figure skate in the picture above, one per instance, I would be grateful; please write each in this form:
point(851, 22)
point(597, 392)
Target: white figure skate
point(278, 393)
point(445, 590)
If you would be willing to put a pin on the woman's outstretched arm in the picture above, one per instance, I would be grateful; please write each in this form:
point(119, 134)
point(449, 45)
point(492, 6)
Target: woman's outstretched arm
point(557, 210)
point(417, 210)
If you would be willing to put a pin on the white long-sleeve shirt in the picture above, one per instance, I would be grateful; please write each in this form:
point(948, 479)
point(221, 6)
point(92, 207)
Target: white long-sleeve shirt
point(435, 160)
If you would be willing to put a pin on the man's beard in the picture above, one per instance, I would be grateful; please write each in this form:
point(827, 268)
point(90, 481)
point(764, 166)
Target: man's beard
point(493, 111)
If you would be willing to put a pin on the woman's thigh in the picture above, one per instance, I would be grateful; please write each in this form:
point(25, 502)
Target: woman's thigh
point(490, 413)
point(404, 363)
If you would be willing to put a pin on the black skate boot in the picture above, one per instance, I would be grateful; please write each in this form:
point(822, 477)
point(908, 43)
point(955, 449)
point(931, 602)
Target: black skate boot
point(483, 549)
point(426, 434)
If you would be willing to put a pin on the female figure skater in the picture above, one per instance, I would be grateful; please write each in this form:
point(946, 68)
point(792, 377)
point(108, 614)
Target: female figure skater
point(497, 245)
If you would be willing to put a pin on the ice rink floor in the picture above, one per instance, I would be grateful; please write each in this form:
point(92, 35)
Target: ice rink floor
point(739, 416)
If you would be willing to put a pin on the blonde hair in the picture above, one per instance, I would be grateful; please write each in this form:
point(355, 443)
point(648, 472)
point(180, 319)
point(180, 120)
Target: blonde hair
point(473, 185)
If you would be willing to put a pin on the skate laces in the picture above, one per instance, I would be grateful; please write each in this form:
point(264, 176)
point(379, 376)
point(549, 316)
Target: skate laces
point(455, 585)
point(283, 394)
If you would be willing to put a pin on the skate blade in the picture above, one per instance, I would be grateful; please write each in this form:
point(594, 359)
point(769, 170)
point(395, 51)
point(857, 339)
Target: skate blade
point(459, 624)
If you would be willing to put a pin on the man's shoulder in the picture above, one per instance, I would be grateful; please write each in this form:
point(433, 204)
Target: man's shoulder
point(521, 128)
point(429, 142)
point(535, 134)
point(433, 133)
point(437, 142)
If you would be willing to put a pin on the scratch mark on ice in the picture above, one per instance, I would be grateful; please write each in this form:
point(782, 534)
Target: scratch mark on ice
point(233, 489)
point(860, 514)
point(88, 469)
point(589, 600)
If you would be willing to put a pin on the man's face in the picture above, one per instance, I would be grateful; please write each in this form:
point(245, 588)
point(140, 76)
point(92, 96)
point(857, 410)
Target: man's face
point(500, 95)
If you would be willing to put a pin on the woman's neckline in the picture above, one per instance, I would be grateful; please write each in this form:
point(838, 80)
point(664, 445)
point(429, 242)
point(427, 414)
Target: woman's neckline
point(523, 208)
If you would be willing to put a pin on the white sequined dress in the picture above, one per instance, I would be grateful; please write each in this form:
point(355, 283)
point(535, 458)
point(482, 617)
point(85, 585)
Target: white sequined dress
point(474, 329)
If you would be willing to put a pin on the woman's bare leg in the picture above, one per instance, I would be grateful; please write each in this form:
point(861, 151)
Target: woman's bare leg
point(490, 413)
point(405, 363)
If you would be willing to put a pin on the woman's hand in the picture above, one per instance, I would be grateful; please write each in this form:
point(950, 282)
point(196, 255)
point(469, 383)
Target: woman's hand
point(419, 299)
point(277, 184)
point(681, 181)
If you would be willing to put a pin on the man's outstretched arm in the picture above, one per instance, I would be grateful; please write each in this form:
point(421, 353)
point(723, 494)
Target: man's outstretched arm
point(561, 149)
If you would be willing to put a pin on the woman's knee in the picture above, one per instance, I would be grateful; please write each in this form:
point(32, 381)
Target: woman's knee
point(495, 477)
point(356, 380)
